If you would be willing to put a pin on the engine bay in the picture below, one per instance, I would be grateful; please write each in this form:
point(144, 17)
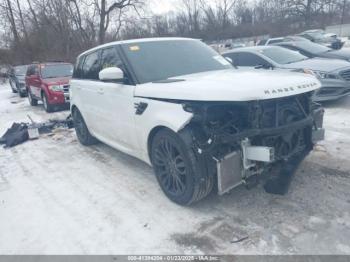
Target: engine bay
point(275, 131)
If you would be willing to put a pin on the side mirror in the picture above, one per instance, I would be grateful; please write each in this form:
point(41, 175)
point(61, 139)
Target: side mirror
point(111, 74)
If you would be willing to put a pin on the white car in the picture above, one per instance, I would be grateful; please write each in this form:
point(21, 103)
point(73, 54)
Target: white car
point(179, 106)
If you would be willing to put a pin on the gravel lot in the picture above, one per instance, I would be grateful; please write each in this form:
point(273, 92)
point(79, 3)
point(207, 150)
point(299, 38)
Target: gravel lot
point(58, 197)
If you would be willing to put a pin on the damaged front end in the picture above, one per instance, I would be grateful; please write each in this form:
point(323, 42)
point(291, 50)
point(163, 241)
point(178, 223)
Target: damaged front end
point(239, 141)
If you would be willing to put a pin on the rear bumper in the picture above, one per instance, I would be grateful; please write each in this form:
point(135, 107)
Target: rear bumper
point(332, 90)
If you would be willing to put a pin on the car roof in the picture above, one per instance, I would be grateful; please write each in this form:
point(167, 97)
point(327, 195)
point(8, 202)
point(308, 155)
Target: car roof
point(313, 31)
point(252, 49)
point(135, 41)
point(276, 38)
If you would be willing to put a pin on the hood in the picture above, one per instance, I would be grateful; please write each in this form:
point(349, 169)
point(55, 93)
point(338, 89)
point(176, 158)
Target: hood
point(338, 54)
point(231, 85)
point(57, 81)
point(319, 64)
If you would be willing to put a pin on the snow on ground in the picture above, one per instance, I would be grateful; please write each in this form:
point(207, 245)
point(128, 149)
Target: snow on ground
point(58, 197)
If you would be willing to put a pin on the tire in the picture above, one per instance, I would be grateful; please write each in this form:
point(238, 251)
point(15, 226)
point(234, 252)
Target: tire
point(47, 106)
point(83, 134)
point(31, 99)
point(177, 170)
point(20, 93)
point(12, 88)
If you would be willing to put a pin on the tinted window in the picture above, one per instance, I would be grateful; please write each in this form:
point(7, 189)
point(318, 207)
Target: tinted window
point(160, 60)
point(59, 70)
point(275, 41)
point(234, 57)
point(78, 68)
point(110, 58)
point(262, 42)
point(248, 59)
point(91, 66)
point(282, 55)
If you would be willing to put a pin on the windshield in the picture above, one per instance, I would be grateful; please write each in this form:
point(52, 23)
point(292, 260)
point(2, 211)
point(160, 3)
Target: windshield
point(160, 60)
point(20, 70)
point(59, 70)
point(283, 56)
point(312, 47)
point(317, 35)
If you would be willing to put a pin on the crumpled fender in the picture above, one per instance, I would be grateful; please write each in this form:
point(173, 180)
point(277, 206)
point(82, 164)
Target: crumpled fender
point(158, 114)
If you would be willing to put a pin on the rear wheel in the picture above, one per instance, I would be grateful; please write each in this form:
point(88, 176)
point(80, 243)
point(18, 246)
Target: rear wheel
point(49, 108)
point(13, 85)
point(31, 99)
point(177, 169)
point(82, 131)
point(20, 92)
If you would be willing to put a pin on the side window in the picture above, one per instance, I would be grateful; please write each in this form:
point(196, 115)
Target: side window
point(247, 59)
point(78, 70)
point(110, 58)
point(91, 66)
point(234, 57)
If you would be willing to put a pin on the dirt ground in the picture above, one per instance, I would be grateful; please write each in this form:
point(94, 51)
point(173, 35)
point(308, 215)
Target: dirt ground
point(58, 197)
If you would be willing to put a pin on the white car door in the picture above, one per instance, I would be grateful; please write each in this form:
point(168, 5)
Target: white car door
point(85, 88)
point(114, 108)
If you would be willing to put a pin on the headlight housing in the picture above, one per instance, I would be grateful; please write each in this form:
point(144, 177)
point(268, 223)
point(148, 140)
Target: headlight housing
point(56, 88)
point(325, 75)
point(319, 74)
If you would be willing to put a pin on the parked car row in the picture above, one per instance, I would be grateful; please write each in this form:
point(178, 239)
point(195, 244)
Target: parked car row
point(46, 82)
point(331, 67)
point(184, 109)
point(316, 36)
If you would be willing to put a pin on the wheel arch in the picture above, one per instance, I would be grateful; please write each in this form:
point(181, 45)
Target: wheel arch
point(151, 136)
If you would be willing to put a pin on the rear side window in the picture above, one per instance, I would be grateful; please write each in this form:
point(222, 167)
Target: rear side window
point(91, 66)
point(234, 57)
point(78, 70)
point(247, 59)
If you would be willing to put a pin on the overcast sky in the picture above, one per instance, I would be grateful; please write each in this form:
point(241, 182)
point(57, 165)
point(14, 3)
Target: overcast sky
point(163, 6)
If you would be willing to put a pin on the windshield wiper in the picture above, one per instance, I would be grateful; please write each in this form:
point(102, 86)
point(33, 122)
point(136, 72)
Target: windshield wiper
point(169, 80)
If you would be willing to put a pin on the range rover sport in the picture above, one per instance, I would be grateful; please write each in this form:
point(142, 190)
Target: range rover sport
point(182, 108)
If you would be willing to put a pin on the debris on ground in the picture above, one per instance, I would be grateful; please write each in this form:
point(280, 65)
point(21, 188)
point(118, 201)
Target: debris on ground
point(238, 240)
point(22, 132)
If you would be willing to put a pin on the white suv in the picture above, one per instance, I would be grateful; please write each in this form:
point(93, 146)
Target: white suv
point(181, 107)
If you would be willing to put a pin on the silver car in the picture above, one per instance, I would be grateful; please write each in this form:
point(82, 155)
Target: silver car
point(334, 74)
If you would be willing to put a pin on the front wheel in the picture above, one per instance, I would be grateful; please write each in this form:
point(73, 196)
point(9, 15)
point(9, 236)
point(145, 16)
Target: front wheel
point(48, 107)
point(12, 84)
point(31, 99)
point(177, 169)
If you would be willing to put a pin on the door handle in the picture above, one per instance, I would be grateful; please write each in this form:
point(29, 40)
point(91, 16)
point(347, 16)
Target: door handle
point(101, 91)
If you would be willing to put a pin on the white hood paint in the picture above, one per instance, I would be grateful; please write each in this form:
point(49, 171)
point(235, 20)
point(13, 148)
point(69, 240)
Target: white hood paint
point(231, 85)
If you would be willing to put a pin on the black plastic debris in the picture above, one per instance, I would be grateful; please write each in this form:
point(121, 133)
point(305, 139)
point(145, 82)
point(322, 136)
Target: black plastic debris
point(18, 133)
point(279, 184)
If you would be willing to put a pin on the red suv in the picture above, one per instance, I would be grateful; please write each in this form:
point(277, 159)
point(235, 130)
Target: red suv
point(49, 83)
